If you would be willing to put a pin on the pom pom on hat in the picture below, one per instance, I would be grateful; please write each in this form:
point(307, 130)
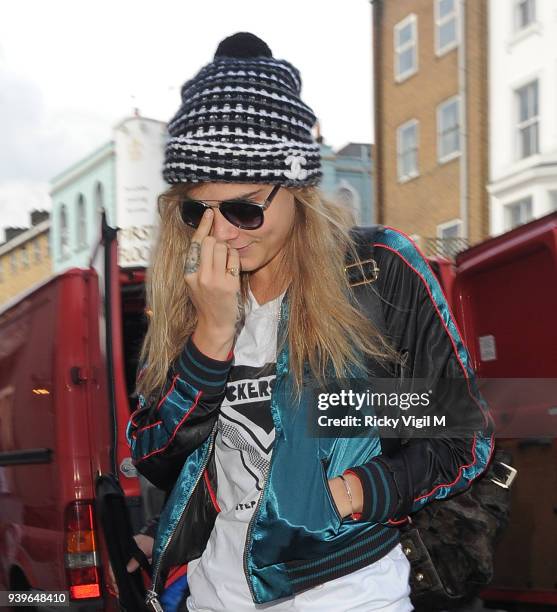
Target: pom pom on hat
point(243, 44)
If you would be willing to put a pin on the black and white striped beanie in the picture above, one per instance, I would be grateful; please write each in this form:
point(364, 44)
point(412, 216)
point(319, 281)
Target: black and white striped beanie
point(242, 121)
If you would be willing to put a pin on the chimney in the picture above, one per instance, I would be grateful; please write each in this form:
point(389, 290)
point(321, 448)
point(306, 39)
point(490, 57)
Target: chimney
point(38, 216)
point(11, 232)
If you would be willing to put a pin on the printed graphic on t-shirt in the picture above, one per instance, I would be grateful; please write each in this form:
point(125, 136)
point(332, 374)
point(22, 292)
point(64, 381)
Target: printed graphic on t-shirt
point(245, 423)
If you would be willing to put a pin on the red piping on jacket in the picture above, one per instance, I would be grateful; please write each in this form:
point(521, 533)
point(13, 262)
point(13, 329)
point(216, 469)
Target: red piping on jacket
point(168, 392)
point(158, 405)
point(159, 450)
point(134, 434)
point(211, 492)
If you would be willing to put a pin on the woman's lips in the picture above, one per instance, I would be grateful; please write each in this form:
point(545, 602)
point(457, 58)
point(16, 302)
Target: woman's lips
point(244, 248)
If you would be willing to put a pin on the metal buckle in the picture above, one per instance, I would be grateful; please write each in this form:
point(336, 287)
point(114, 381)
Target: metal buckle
point(503, 474)
point(374, 271)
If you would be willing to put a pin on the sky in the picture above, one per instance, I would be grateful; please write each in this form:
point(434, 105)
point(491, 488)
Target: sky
point(71, 70)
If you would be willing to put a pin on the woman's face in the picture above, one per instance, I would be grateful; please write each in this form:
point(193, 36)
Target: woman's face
point(258, 248)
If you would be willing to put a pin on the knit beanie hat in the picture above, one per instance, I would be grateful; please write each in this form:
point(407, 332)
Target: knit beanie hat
point(242, 121)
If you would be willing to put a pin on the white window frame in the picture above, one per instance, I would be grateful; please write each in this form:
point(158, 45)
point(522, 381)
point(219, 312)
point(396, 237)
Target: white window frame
point(439, 22)
point(403, 178)
point(413, 19)
point(516, 12)
point(442, 159)
point(528, 200)
point(443, 226)
point(521, 125)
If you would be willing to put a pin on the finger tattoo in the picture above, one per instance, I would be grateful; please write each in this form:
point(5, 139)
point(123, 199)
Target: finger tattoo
point(192, 260)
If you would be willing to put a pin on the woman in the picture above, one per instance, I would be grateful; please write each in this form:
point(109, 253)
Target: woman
point(252, 311)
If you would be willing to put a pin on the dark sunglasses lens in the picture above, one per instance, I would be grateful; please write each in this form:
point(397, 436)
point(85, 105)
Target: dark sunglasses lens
point(191, 212)
point(242, 214)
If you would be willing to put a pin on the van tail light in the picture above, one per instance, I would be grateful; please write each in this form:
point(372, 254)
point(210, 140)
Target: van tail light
point(81, 554)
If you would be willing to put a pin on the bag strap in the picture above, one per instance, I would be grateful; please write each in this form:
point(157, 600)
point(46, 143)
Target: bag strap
point(114, 518)
point(363, 288)
point(367, 295)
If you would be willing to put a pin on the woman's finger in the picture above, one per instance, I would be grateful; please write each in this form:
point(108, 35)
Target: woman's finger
point(204, 226)
point(207, 255)
point(233, 262)
point(220, 255)
point(194, 256)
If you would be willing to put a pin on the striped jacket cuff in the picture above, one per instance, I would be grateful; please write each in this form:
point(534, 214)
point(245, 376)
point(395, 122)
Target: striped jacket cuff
point(204, 373)
point(380, 493)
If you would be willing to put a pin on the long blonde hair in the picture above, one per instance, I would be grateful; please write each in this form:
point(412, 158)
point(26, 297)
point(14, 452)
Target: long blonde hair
point(313, 260)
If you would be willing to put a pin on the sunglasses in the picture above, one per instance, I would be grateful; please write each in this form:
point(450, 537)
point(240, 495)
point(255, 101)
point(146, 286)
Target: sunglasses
point(241, 212)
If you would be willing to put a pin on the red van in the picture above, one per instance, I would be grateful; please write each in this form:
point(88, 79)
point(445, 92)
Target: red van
point(504, 297)
point(67, 366)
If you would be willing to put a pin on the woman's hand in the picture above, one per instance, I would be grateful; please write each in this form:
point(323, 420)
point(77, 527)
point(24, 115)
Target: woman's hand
point(340, 495)
point(214, 292)
point(145, 543)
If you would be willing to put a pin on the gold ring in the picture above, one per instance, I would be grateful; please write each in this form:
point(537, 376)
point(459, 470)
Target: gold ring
point(233, 271)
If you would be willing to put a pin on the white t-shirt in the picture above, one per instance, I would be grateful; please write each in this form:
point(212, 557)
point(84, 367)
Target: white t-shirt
point(243, 448)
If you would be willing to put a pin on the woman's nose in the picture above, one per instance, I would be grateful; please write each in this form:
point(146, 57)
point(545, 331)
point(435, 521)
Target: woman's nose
point(222, 229)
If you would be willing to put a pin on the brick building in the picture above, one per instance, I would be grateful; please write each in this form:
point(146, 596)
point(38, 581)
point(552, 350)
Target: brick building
point(430, 80)
point(25, 256)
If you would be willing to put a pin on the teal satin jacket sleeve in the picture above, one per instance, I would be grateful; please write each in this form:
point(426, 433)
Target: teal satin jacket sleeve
point(166, 428)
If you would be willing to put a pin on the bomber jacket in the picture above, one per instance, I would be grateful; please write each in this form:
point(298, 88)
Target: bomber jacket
point(296, 538)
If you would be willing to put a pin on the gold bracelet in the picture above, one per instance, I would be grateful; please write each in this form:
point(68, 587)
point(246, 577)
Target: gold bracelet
point(347, 487)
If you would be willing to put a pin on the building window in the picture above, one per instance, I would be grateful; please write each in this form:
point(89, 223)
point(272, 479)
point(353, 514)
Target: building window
point(407, 150)
point(525, 13)
point(13, 262)
point(446, 25)
point(24, 256)
point(449, 240)
point(518, 213)
point(37, 250)
point(448, 130)
point(528, 119)
point(1, 270)
point(99, 198)
point(449, 230)
point(81, 221)
point(64, 232)
point(406, 47)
